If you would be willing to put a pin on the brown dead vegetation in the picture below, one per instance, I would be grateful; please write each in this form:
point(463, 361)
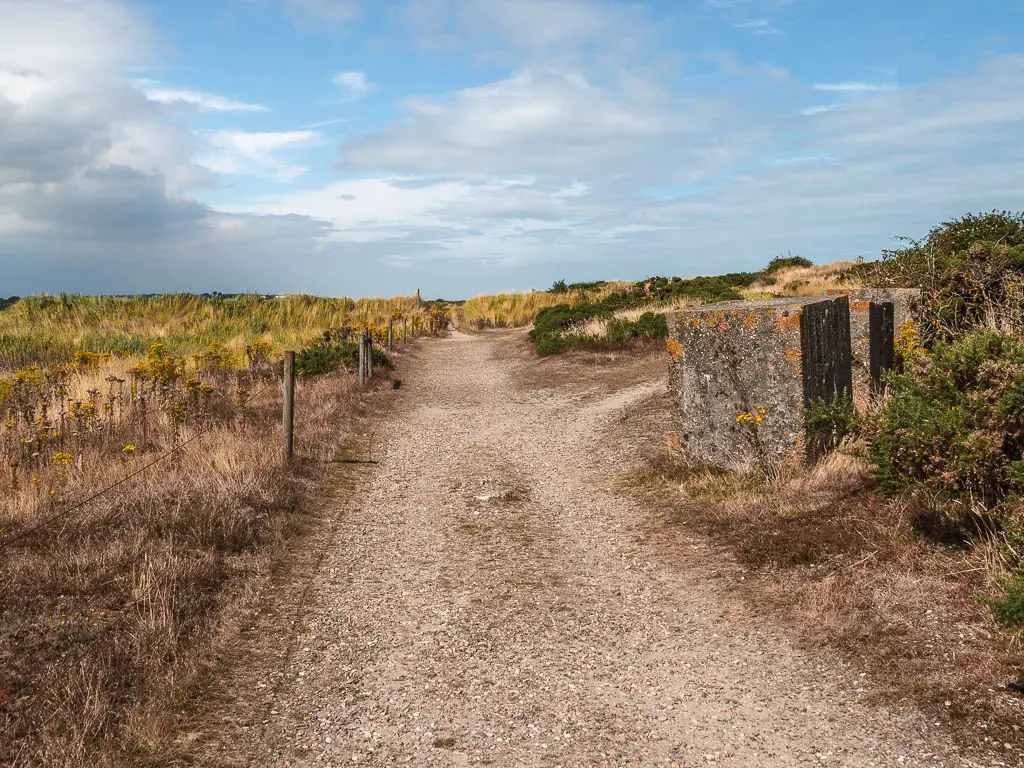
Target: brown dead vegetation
point(851, 570)
point(107, 618)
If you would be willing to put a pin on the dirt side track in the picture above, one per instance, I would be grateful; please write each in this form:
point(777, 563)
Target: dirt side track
point(487, 598)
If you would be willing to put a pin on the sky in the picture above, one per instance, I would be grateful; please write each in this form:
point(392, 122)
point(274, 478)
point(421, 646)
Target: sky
point(366, 147)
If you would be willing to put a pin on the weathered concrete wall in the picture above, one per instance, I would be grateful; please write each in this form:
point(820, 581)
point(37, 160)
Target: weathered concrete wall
point(742, 372)
point(870, 334)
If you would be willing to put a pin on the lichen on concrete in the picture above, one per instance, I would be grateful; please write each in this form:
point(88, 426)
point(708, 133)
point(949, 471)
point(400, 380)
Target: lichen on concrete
point(872, 327)
point(742, 373)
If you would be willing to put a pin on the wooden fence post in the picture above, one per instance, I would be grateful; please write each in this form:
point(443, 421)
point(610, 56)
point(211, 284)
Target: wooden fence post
point(369, 354)
point(391, 332)
point(405, 329)
point(362, 359)
point(288, 412)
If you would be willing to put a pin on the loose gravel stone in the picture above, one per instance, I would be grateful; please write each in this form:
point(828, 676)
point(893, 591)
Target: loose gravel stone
point(487, 602)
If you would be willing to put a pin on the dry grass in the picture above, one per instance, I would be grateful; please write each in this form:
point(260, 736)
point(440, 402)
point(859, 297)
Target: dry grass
point(105, 617)
point(801, 281)
point(43, 329)
point(597, 327)
point(854, 571)
point(517, 310)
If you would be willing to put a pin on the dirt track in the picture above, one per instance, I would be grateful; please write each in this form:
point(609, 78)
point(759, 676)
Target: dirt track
point(494, 601)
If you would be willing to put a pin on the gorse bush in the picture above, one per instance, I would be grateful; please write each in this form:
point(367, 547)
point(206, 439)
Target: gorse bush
point(828, 423)
point(552, 326)
point(971, 270)
point(780, 263)
point(1009, 609)
point(954, 422)
point(650, 325)
point(921, 263)
point(769, 275)
point(317, 360)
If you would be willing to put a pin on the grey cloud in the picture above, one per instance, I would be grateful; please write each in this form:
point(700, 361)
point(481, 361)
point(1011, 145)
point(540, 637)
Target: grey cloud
point(95, 178)
point(106, 204)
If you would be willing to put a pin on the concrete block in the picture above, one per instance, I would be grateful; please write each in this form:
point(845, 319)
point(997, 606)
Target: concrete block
point(872, 328)
point(906, 302)
point(741, 374)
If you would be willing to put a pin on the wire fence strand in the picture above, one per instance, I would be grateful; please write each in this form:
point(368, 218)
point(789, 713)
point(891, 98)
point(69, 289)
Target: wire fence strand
point(69, 511)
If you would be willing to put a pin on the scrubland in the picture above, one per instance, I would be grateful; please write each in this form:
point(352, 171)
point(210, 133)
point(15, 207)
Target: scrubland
point(603, 314)
point(51, 329)
point(143, 498)
point(903, 548)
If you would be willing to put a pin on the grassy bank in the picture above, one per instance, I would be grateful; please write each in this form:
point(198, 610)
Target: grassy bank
point(107, 608)
point(106, 613)
point(905, 549)
point(637, 310)
point(44, 329)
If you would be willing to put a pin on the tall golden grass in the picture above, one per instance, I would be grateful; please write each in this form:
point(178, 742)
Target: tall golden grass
point(517, 310)
point(106, 614)
point(803, 281)
point(43, 329)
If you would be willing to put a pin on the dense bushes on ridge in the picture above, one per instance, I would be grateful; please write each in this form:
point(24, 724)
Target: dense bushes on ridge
point(952, 423)
point(551, 328)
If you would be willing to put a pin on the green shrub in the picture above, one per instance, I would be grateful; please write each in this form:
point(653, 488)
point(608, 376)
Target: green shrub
point(320, 358)
point(1009, 609)
point(955, 424)
point(785, 262)
point(827, 423)
point(921, 263)
point(650, 325)
point(971, 270)
point(549, 328)
point(665, 290)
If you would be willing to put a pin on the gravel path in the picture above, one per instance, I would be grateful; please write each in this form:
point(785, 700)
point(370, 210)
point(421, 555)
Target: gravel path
point(490, 603)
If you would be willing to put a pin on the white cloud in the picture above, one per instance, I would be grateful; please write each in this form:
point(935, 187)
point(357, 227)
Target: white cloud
point(82, 153)
point(355, 85)
point(325, 123)
point(256, 153)
point(204, 102)
point(758, 26)
point(818, 110)
point(20, 87)
point(537, 175)
point(855, 87)
point(756, 16)
point(551, 122)
point(549, 168)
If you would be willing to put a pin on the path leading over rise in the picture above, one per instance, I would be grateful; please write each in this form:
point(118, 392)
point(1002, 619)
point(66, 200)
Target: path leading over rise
point(493, 601)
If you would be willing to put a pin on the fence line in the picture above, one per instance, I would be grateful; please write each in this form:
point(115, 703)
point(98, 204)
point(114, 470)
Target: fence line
point(134, 473)
point(287, 420)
